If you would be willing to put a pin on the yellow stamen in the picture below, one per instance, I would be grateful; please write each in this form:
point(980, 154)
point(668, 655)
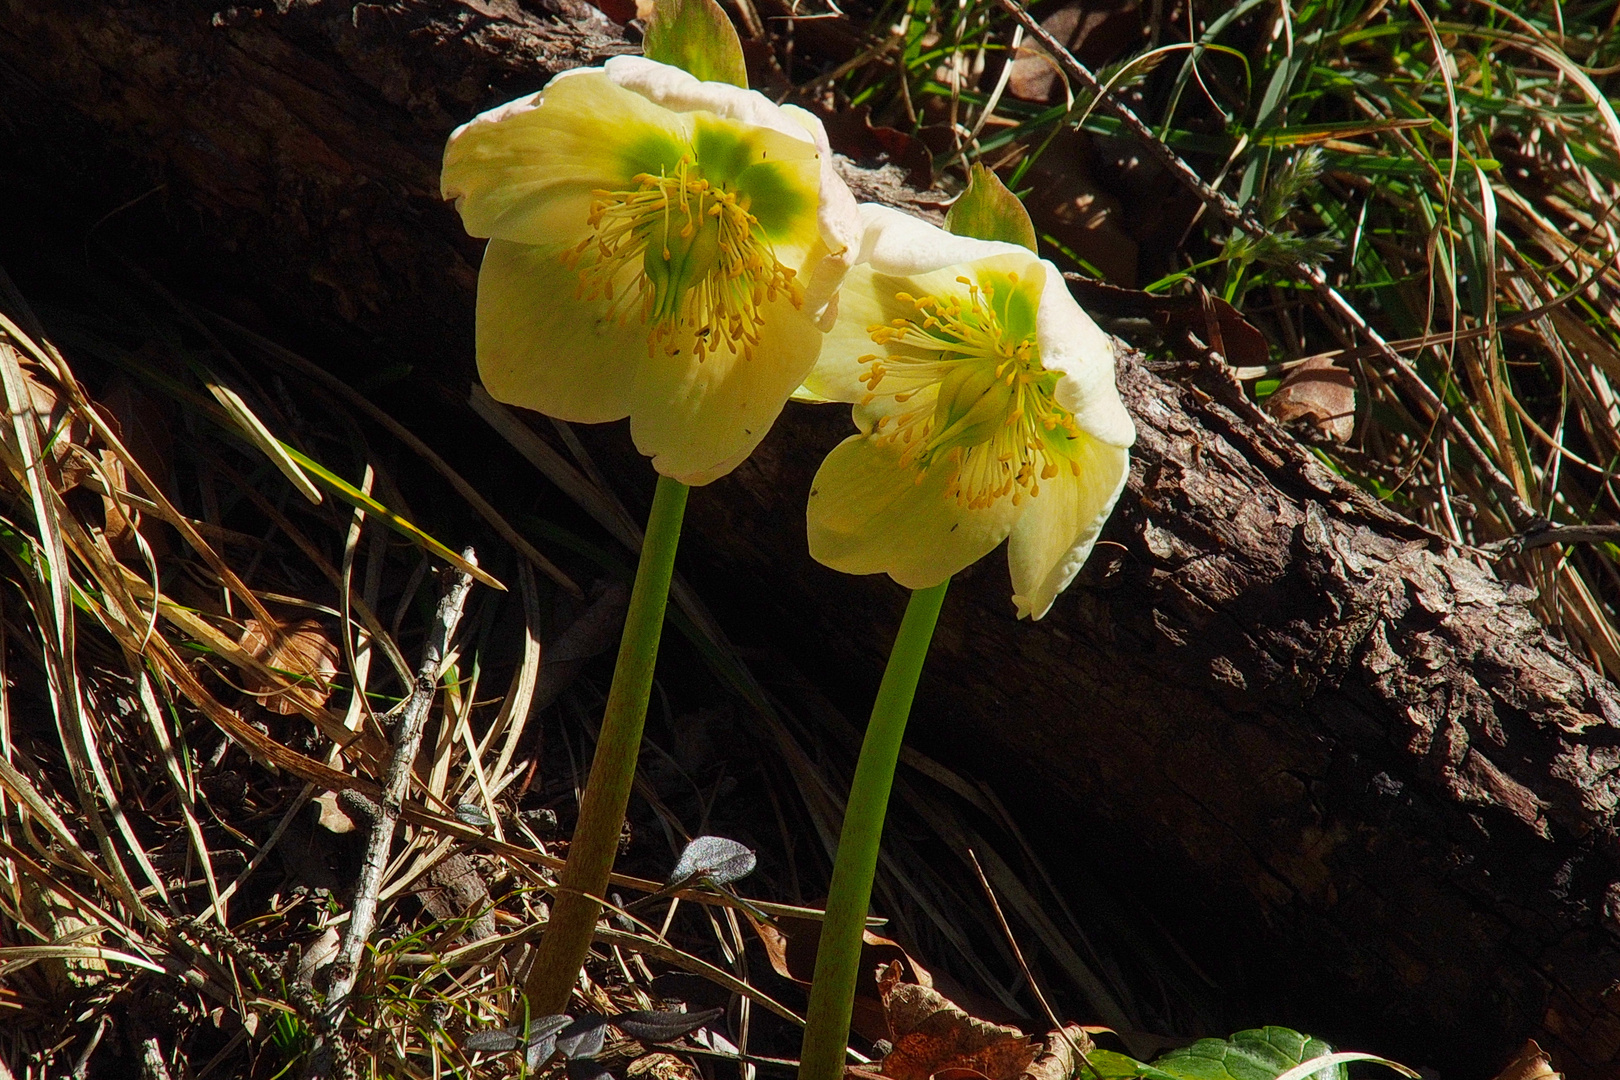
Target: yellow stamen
point(691, 254)
point(989, 414)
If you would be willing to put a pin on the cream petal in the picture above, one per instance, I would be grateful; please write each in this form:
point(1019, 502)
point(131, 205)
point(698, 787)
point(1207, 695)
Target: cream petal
point(1072, 343)
point(699, 420)
point(839, 220)
point(682, 92)
point(525, 171)
point(1052, 539)
point(836, 376)
point(900, 245)
point(540, 348)
point(868, 515)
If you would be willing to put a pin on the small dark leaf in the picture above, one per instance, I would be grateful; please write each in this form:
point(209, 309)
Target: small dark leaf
point(582, 1038)
point(587, 1069)
point(544, 820)
point(472, 814)
point(542, 1041)
point(491, 1040)
point(720, 860)
point(664, 1026)
point(620, 919)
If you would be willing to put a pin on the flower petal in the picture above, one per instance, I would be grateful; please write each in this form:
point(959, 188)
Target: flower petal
point(525, 171)
point(861, 303)
point(680, 91)
point(1054, 536)
point(697, 419)
point(868, 515)
point(1071, 343)
point(540, 348)
point(900, 245)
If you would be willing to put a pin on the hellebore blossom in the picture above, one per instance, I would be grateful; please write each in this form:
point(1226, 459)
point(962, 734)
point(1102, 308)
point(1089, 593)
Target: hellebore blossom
point(660, 248)
point(987, 411)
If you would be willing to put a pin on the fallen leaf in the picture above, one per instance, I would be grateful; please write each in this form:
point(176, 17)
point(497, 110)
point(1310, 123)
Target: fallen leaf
point(332, 818)
point(1216, 323)
point(852, 133)
point(1093, 32)
point(1320, 393)
point(791, 945)
point(303, 651)
point(1057, 1060)
point(932, 1037)
point(1532, 1063)
point(715, 859)
point(145, 425)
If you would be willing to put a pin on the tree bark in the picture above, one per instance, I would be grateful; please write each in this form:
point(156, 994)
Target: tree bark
point(1341, 760)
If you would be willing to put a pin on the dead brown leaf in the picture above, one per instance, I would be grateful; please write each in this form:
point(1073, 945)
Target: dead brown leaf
point(1095, 33)
point(1320, 393)
point(1532, 1063)
point(1216, 323)
point(933, 1037)
point(302, 650)
point(791, 945)
point(145, 425)
point(1057, 1061)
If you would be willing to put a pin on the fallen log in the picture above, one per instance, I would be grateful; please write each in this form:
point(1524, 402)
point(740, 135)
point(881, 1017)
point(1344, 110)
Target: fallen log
point(1339, 760)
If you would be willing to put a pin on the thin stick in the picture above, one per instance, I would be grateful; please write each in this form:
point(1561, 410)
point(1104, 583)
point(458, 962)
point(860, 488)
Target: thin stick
point(1023, 965)
point(1543, 535)
point(396, 783)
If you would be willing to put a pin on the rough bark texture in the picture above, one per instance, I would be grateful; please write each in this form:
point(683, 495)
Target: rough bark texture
point(1344, 763)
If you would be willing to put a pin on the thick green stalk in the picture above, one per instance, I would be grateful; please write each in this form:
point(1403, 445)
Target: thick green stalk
point(838, 958)
point(584, 879)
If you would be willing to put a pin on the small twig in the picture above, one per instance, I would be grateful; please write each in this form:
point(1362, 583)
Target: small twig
point(1029, 976)
point(396, 783)
point(1517, 510)
point(1543, 534)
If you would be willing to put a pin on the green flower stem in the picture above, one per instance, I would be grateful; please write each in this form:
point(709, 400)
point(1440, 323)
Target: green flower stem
point(584, 879)
point(838, 958)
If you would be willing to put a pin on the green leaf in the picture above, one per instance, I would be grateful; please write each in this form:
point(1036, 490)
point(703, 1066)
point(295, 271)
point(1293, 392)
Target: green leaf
point(696, 36)
point(355, 497)
point(1258, 1054)
point(1110, 1065)
point(988, 211)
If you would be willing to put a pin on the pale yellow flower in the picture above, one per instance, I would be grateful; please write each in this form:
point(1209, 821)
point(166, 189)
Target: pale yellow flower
point(660, 248)
point(987, 411)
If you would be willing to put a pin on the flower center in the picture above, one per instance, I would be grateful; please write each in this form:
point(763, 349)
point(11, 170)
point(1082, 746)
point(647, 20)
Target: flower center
point(983, 403)
point(704, 263)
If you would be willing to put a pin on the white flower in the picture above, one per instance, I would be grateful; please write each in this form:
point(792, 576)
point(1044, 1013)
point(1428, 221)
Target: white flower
point(987, 412)
point(660, 248)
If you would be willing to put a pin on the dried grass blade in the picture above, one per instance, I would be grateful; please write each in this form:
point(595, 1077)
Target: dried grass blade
point(406, 436)
point(182, 790)
point(355, 497)
point(58, 640)
point(13, 956)
point(260, 436)
point(513, 717)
